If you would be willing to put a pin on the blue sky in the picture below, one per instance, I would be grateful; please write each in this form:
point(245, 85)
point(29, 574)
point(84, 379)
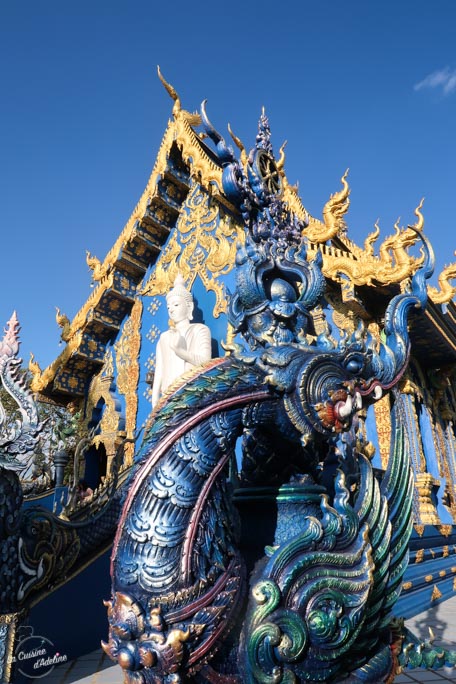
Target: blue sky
point(359, 84)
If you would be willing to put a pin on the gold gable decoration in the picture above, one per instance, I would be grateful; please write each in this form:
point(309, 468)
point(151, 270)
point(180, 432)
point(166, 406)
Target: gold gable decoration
point(362, 267)
point(207, 250)
point(333, 215)
point(445, 292)
point(203, 244)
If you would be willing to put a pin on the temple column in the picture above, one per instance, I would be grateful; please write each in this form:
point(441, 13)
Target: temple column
point(427, 511)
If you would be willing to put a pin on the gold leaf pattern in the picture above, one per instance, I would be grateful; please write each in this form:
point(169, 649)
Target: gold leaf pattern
point(127, 360)
point(203, 244)
point(436, 593)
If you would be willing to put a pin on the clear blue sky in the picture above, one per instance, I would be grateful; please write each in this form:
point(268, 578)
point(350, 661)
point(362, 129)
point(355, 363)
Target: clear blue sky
point(359, 84)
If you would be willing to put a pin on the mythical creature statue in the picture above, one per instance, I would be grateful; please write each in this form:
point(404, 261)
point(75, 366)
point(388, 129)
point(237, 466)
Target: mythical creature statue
point(39, 550)
point(63, 322)
point(445, 292)
point(319, 604)
point(99, 270)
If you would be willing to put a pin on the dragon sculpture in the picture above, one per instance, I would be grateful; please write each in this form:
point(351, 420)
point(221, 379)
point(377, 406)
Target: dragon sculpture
point(39, 549)
point(318, 608)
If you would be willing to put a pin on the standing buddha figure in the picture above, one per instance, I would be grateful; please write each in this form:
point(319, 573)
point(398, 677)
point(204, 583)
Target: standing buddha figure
point(182, 347)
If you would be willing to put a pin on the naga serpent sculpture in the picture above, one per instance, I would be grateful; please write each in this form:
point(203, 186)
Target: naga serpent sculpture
point(321, 593)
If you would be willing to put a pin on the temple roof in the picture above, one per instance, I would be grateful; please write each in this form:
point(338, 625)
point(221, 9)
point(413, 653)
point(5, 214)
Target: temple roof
point(184, 155)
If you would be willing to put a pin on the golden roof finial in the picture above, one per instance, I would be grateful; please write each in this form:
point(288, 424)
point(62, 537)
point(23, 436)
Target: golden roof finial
point(336, 207)
point(333, 213)
point(61, 318)
point(63, 322)
point(99, 270)
point(172, 92)
point(371, 238)
point(237, 141)
point(446, 292)
point(420, 218)
point(34, 366)
point(281, 160)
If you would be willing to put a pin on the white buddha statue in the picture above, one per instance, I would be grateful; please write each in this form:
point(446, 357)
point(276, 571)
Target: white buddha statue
point(184, 345)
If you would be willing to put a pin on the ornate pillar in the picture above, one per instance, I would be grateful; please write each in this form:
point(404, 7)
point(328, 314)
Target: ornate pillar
point(427, 510)
point(382, 411)
point(127, 360)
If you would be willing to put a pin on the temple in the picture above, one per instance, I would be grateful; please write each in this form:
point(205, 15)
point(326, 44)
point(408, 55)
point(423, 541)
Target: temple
point(189, 224)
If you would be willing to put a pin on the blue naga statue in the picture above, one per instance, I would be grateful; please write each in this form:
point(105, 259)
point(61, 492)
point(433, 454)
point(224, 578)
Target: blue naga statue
point(191, 602)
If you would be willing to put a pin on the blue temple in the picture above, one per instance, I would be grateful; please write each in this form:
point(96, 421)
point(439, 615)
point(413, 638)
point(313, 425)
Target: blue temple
point(274, 511)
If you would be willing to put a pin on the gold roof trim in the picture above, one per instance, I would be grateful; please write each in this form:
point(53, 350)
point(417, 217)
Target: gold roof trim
point(42, 378)
point(393, 265)
point(73, 332)
point(189, 143)
point(333, 216)
point(99, 270)
point(179, 131)
point(334, 210)
point(359, 265)
point(172, 92)
point(294, 202)
point(445, 292)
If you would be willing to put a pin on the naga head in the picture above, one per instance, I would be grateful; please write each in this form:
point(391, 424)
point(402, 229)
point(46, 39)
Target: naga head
point(324, 382)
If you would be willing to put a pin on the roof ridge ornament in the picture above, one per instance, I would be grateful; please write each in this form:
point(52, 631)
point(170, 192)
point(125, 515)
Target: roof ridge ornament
point(263, 138)
point(172, 92)
point(445, 292)
point(224, 152)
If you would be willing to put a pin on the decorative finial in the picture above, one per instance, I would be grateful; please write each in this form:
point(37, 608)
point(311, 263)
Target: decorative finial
point(34, 366)
point(99, 271)
point(237, 141)
point(225, 153)
point(420, 218)
point(64, 322)
point(335, 209)
point(446, 292)
point(61, 318)
point(281, 160)
point(263, 139)
point(172, 92)
point(11, 334)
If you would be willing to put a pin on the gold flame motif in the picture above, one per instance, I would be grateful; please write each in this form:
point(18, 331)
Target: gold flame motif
point(445, 292)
